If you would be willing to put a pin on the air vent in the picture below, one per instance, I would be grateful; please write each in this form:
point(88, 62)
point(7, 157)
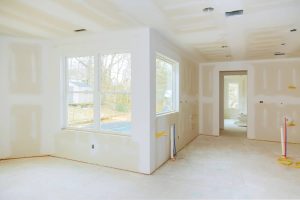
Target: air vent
point(80, 30)
point(279, 54)
point(208, 9)
point(293, 30)
point(234, 13)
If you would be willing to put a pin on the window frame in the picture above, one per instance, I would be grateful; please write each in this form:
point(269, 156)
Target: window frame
point(175, 83)
point(96, 94)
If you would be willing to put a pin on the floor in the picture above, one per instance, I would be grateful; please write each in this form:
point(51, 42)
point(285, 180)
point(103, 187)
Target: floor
point(230, 128)
point(210, 167)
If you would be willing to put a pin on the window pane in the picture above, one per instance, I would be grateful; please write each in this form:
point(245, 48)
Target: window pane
point(233, 95)
point(115, 87)
point(164, 86)
point(116, 72)
point(116, 112)
point(80, 73)
point(80, 110)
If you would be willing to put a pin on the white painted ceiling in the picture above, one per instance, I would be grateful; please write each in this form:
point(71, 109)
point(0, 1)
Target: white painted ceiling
point(262, 30)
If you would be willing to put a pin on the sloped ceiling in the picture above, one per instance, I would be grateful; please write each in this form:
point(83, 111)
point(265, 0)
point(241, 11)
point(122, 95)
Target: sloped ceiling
point(262, 30)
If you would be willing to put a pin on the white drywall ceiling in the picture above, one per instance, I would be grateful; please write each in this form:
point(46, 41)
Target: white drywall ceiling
point(257, 34)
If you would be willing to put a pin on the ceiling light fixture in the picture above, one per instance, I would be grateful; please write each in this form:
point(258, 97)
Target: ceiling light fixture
point(80, 30)
point(208, 9)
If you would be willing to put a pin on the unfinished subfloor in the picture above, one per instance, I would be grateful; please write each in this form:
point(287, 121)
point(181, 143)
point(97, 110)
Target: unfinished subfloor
point(209, 167)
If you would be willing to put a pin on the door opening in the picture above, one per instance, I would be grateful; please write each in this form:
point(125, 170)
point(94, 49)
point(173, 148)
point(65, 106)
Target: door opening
point(233, 103)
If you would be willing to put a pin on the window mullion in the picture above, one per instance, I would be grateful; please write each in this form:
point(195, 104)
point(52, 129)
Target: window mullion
point(65, 92)
point(97, 93)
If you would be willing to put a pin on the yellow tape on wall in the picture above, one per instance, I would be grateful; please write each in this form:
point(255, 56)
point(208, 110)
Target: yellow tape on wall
point(160, 134)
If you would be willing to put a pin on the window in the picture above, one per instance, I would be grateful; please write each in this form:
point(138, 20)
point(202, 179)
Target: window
point(115, 92)
point(80, 91)
point(166, 85)
point(233, 95)
point(98, 96)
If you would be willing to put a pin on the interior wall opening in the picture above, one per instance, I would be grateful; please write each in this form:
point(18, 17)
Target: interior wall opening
point(233, 103)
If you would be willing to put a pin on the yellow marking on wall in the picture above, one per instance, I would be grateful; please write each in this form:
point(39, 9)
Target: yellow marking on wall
point(291, 87)
point(292, 123)
point(160, 134)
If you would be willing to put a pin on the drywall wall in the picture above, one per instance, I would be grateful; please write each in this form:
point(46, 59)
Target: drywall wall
point(273, 90)
point(130, 152)
point(32, 102)
point(26, 106)
point(186, 120)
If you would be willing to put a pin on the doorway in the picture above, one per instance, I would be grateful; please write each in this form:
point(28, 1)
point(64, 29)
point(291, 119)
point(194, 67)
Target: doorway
point(233, 103)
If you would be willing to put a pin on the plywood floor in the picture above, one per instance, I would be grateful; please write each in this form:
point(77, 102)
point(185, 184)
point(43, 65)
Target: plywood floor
point(210, 167)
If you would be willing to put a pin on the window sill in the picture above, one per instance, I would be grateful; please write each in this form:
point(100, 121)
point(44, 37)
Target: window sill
point(101, 132)
point(166, 113)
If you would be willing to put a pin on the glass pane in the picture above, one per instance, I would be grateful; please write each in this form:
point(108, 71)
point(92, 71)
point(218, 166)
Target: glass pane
point(115, 112)
point(233, 95)
point(80, 110)
point(116, 73)
point(115, 87)
point(164, 86)
point(80, 73)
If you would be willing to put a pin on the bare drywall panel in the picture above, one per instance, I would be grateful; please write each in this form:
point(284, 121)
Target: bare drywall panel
point(266, 79)
point(29, 114)
point(107, 150)
point(266, 118)
point(208, 118)
point(207, 81)
point(269, 119)
point(25, 68)
point(25, 129)
point(277, 78)
point(186, 120)
point(163, 125)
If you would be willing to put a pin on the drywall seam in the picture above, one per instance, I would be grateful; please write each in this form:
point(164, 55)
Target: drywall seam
point(251, 61)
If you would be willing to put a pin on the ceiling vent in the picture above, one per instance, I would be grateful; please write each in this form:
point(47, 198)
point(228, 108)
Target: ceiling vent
point(293, 30)
point(80, 30)
point(279, 54)
point(208, 9)
point(234, 13)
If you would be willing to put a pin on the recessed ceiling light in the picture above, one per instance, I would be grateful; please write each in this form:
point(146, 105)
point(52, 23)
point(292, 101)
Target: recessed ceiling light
point(80, 30)
point(208, 9)
point(293, 30)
